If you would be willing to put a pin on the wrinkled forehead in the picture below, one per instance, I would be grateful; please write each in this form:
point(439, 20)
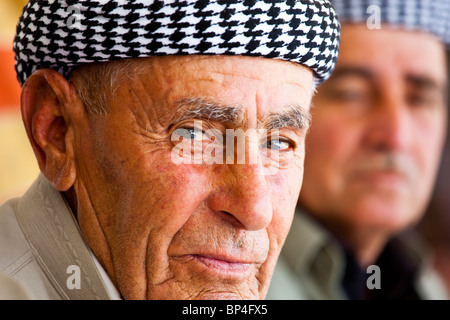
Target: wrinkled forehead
point(229, 77)
point(223, 69)
point(202, 84)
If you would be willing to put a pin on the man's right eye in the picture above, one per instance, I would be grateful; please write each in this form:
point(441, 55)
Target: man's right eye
point(189, 133)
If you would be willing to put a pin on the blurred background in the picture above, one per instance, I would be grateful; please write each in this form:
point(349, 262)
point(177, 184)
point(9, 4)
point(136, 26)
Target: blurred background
point(435, 226)
point(18, 166)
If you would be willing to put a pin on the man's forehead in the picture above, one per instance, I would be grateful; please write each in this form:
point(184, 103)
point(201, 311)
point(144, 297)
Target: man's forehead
point(390, 49)
point(223, 80)
point(217, 67)
point(358, 35)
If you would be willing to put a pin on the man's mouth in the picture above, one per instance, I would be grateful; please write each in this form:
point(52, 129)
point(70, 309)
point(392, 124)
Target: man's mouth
point(381, 178)
point(221, 265)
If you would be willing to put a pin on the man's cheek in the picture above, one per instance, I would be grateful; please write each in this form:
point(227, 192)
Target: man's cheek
point(285, 186)
point(173, 198)
point(285, 192)
point(279, 230)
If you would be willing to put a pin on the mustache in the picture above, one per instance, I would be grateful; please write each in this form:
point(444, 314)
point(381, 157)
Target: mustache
point(395, 162)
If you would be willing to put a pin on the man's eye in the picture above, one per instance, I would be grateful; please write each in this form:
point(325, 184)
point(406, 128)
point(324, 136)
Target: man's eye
point(189, 133)
point(279, 145)
point(420, 100)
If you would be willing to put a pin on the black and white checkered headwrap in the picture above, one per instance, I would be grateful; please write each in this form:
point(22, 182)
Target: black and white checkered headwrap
point(63, 34)
point(431, 16)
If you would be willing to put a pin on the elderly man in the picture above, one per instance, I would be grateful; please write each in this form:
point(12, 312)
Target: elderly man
point(372, 154)
point(110, 89)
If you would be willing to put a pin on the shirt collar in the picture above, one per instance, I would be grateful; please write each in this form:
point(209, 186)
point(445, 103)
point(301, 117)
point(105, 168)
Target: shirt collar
point(314, 255)
point(110, 287)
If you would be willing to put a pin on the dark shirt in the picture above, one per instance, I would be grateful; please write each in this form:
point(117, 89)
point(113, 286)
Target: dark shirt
point(398, 270)
point(397, 276)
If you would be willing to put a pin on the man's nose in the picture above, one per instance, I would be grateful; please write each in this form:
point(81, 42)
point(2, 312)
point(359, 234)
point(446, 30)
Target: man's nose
point(390, 124)
point(245, 196)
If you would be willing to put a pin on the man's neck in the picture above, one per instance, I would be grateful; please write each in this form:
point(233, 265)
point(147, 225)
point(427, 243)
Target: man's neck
point(365, 243)
point(71, 198)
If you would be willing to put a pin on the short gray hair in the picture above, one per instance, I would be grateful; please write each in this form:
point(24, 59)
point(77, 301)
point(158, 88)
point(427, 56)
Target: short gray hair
point(97, 83)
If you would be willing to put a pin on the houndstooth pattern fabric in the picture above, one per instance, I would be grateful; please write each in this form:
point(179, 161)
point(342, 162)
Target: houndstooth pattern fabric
point(63, 34)
point(425, 15)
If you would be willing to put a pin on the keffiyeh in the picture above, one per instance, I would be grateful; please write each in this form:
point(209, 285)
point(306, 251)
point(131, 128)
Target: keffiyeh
point(63, 34)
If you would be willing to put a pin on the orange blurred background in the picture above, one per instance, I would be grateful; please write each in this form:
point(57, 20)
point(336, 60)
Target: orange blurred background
point(18, 167)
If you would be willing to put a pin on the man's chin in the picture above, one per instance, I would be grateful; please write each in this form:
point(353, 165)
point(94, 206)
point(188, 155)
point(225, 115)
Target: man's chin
point(392, 215)
point(202, 289)
point(195, 277)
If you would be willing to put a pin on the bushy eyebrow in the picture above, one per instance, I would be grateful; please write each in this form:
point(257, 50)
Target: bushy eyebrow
point(427, 83)
point(358, 71)
point(423, 82)
point(201, 108)
point(416, 80)
point(292, 117)
point(295, 118)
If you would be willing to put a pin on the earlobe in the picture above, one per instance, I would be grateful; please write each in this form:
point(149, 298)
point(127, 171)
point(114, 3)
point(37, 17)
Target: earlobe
point(44, 101)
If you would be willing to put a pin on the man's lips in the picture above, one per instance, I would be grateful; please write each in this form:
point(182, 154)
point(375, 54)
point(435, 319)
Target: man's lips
point(222, 263)
point(381, 177)
point(229, 266)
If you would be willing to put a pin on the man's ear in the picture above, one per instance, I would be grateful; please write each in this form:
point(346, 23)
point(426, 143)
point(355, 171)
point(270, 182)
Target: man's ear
point(46, 100)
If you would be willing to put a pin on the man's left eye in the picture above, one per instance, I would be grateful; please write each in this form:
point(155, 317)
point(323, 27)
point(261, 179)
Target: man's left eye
point(279, 145)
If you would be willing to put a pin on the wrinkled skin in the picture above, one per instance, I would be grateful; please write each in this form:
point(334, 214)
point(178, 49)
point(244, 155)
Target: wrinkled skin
point(385, 97)
point(183, 231)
